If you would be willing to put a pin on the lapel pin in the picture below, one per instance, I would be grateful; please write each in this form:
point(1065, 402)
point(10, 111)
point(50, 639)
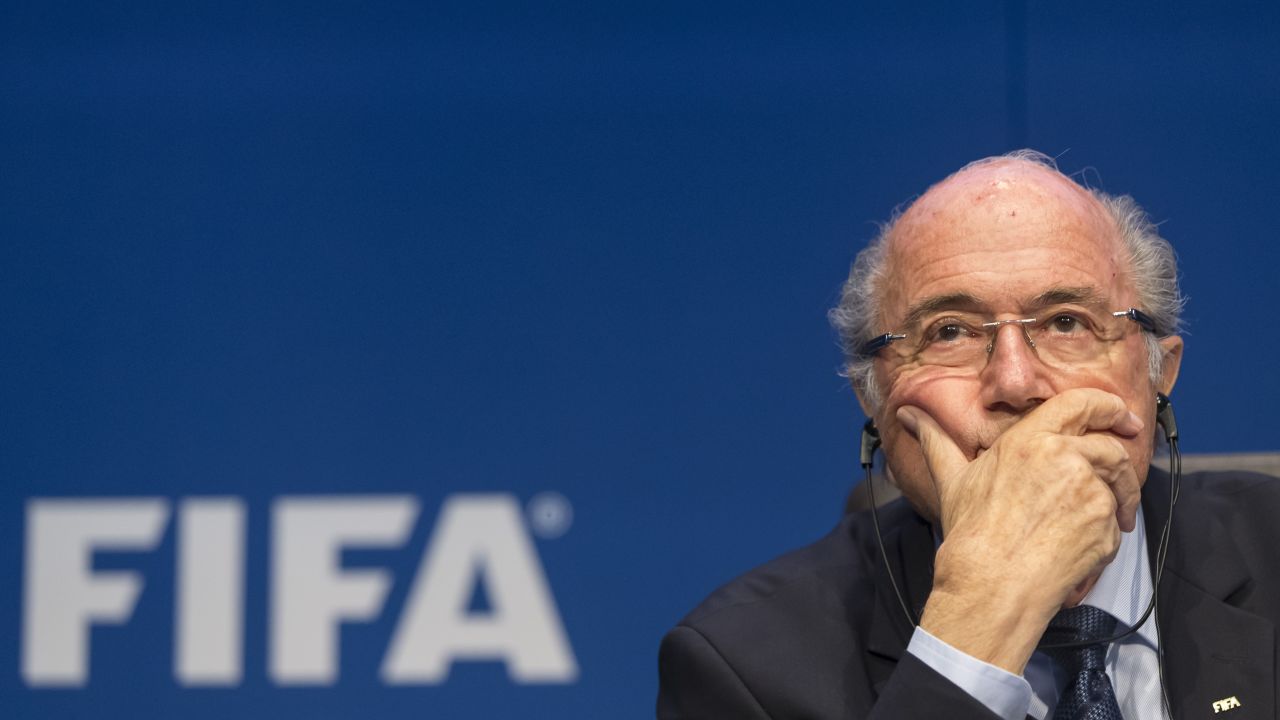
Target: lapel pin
point(1230, 703)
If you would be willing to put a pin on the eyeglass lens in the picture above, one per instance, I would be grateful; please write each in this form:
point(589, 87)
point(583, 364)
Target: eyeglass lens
point(1062, 337)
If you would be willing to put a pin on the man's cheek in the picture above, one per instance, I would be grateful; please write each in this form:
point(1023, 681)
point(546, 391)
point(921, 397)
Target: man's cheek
point(930, 386)
point(951, 399)
point(907, 467)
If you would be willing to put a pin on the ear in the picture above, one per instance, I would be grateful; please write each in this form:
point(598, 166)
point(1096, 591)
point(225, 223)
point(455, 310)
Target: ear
point(1170, 362)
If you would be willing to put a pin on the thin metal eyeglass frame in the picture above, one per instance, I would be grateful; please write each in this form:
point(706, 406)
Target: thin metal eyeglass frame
point(880, 342)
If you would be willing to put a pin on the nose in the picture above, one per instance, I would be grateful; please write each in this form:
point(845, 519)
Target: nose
point(1014, 379)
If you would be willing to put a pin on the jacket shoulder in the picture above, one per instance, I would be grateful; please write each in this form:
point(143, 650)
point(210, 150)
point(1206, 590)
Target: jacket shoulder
point(826, 570)
point(1230, 494)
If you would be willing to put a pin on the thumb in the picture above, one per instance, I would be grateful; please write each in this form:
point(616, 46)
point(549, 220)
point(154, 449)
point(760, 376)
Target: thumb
point(941, 454)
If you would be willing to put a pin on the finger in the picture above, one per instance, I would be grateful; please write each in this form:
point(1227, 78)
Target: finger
point(1111, 463)
point(941, 454)
point(1081, 410)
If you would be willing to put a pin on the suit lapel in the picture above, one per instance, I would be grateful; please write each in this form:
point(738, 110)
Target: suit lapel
point(1218, 657)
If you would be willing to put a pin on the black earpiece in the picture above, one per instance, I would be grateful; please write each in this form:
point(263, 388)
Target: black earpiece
point(870, 441)
point(1164, 417)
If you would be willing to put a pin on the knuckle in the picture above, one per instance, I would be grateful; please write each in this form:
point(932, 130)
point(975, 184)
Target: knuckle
point(1101, 504)
point(1054, 445)
point(1116, 448)
point(1109, 452)
point(1111, 546)
point(1077, 467)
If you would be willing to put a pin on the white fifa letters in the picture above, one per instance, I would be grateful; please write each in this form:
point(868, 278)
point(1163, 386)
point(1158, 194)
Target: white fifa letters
point(478, 540)
point(62, 595)
point(310, 592)
point(209, 602)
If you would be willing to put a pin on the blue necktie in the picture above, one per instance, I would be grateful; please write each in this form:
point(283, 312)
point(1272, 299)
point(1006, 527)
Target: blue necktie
point(1089, 695)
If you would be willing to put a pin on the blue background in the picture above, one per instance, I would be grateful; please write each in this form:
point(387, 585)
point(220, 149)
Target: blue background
point(257, 249)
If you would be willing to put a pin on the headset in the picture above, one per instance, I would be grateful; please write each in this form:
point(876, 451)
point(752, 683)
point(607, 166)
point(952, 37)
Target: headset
point(1165, 419)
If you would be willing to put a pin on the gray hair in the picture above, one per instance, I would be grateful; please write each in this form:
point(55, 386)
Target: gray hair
point(1152, 264)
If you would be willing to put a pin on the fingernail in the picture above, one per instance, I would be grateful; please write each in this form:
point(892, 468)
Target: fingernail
point(907, 416)
point(1136, 422)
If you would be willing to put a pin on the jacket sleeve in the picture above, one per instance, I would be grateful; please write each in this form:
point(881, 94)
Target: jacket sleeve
point(695, 682)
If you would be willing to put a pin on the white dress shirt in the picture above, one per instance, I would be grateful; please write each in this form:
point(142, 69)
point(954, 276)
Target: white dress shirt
point(1124, 590)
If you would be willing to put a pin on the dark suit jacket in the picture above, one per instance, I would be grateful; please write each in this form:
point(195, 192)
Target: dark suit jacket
point(818, 633)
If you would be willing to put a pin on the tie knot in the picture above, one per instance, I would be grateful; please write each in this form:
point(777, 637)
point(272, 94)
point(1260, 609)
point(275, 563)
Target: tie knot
point(1080, 624)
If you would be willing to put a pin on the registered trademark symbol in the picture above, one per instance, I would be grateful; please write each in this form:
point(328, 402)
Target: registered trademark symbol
point(550, 514)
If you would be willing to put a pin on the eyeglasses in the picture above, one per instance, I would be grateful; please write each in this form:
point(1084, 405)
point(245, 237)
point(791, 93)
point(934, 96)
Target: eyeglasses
point(1066, 336)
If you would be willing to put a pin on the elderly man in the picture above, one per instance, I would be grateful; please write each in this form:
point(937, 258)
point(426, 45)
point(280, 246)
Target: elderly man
point(1007, 335)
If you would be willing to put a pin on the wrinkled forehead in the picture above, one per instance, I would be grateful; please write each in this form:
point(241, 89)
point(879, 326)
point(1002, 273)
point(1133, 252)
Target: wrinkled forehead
point(1004, 232)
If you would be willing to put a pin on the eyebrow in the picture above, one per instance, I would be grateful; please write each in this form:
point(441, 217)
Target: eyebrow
point(1082, 295)
point(951, 301)
point(964, 302)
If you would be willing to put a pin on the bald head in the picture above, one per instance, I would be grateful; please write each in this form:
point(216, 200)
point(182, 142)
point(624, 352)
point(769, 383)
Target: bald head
point(998, 208)
point(1005, 210)
point(1002, 192)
